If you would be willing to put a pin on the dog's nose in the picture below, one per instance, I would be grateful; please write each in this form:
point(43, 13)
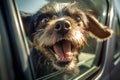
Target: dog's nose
point(62, 27)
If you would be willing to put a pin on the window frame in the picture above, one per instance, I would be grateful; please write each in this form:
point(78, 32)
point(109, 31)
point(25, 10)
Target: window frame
point(89, 73)
point(5, 56)
point(107, 70)
point(17, 42)
point(19, 47)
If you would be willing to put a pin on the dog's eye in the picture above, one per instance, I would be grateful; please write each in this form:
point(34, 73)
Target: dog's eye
point(44, 20)
point(77, 18)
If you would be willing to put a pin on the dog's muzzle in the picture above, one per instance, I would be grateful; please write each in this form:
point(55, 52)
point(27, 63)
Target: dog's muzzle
point(62, 49)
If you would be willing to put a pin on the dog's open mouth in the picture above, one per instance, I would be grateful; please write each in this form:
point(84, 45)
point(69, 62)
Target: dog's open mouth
point(63, 52)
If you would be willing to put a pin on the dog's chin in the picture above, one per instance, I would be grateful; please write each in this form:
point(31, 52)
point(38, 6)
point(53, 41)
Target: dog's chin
point(65, 66)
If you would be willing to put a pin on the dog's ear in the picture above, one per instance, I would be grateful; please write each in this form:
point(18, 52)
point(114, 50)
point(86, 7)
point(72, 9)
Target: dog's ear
point(26, 19)
point(100, 31)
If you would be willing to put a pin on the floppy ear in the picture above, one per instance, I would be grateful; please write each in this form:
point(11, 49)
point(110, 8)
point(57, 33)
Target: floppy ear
point(26, 19)
point(100, 31)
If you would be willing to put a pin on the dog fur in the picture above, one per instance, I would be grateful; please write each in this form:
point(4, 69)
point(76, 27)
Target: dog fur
point(58, 31)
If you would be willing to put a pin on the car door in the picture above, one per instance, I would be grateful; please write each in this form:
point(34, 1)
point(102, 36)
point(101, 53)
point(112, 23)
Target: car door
point(14, 62)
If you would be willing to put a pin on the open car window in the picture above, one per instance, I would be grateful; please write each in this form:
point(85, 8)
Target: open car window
point(117, 44)
point(89, 55)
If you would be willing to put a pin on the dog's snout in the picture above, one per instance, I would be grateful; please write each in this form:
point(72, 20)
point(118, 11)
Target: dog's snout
point(62, 27)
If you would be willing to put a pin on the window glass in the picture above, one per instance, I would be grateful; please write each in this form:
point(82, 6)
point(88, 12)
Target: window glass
point(117, 44)
point(88, 55)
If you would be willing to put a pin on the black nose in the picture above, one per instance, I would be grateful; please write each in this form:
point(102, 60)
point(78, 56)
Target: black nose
point(62, 27)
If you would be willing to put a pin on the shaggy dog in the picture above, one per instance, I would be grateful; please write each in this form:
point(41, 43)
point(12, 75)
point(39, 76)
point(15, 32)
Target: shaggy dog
point(58, 31)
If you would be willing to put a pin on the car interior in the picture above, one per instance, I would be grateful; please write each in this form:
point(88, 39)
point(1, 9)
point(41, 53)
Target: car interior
point(100, 61)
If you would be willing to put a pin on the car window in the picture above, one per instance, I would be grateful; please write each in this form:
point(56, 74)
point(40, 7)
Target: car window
point(117, 44)
point(90, 54)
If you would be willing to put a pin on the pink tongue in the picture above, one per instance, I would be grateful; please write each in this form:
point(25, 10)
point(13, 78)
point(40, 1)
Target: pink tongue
point(63, 50)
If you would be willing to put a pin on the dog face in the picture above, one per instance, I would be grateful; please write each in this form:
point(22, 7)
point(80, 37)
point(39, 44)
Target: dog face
point(58, 30)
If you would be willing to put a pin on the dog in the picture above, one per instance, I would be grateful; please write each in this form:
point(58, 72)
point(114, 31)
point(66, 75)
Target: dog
point(58, 31)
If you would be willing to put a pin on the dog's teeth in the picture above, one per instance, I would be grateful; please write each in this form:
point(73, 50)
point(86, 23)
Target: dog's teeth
point(62, 59)
point(56, 56)
point(59, 59)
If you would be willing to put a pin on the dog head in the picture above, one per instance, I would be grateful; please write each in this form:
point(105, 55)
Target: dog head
point(58, 30)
